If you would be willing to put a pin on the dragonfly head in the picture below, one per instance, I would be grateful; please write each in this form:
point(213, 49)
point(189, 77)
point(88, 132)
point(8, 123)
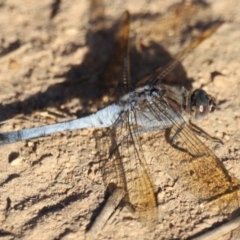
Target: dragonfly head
point(200, 104)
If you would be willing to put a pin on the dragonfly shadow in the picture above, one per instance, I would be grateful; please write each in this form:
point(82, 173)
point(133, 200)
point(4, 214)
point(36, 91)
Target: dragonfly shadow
point(44, 211)
point(87, 81)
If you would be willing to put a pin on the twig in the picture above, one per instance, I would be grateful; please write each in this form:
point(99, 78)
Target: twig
point(220, 231)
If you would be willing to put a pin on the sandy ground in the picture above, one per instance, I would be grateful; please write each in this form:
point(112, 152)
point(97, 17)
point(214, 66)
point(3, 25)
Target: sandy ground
point(50, 68)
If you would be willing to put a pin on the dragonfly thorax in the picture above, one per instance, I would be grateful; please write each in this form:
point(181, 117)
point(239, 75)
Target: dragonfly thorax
point(141, 95)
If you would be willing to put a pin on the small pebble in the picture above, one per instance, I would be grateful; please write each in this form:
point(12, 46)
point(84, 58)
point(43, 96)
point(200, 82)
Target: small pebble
point(219, 81)
point(16, 161)
point(30, 144)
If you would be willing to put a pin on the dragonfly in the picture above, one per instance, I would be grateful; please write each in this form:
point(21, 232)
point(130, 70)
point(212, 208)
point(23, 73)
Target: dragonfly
point(135, 122)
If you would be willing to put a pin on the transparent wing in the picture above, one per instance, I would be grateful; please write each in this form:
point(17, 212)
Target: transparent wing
point(126, 168)
point(123, 163)
point(160, 73)
point(117, 72)
point(195, 166)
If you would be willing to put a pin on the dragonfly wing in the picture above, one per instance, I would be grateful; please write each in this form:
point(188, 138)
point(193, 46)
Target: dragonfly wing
point(161, 72)
point(196, 167)
point(117, 72)
point(126, 168)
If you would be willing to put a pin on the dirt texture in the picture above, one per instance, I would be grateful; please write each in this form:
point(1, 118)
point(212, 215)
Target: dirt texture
point(54, 56)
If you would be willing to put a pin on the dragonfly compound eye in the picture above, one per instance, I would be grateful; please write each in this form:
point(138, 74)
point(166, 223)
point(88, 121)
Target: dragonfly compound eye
point(201, 104)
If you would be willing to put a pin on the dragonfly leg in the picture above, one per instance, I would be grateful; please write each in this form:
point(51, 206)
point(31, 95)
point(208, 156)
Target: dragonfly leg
point(203, 134)
point(171, 139)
